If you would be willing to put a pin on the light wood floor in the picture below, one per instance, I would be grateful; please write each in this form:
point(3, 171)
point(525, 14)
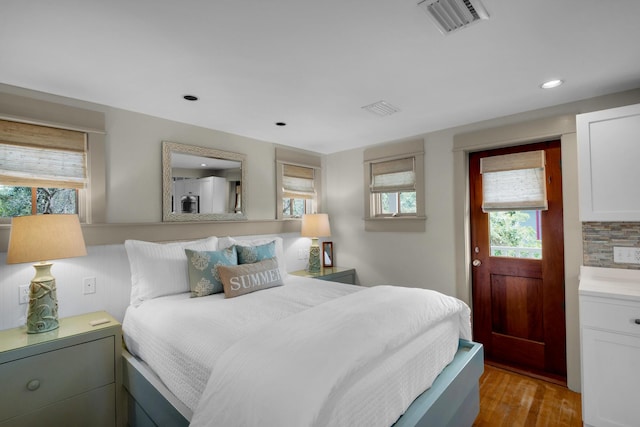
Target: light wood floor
point(509, 399)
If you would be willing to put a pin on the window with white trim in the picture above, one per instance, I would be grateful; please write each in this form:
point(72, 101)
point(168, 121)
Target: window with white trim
point(22, 110)
point(394, 186)
point(298, 183)
point(298, 191)
point(42, 169)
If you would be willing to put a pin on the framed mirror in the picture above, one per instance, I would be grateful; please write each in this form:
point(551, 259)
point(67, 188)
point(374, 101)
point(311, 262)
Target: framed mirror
point(327, 254)
point(202, 184)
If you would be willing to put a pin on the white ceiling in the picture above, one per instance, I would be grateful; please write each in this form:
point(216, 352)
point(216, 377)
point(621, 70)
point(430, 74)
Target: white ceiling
point(314, 64)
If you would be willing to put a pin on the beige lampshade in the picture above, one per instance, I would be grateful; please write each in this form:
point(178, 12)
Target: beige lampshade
point(45, 237)
point(315, 225)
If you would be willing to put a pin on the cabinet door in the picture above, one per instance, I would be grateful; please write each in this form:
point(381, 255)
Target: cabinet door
point(214, 193)
point(610, 378)
point(608, 153)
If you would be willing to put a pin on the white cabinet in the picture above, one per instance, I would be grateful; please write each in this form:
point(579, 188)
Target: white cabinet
point(66, 377)
point(212, 193)
point(608, 159)
point(610, 346)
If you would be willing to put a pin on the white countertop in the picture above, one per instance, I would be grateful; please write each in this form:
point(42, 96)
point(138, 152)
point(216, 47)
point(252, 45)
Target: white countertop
point(610, 282)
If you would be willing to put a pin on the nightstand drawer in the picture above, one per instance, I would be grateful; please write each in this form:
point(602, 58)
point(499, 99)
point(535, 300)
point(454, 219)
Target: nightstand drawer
point(601, 314)
point(95, 408)
point(36, 381)
point(349, 277)
point(331, 274)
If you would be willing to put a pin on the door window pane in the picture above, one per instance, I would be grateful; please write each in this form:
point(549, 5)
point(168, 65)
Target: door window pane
point(516, 234)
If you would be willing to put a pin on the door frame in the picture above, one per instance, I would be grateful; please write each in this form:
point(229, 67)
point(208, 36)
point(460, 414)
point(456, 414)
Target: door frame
point(560, 127)
point(541, 353)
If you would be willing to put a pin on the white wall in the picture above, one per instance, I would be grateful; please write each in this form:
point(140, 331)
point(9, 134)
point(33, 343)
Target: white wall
point(412, 259)
point(134, 156)
point(134, 160)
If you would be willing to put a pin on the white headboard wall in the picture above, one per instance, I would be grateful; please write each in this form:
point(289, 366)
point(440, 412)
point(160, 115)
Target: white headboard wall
point(110, 266)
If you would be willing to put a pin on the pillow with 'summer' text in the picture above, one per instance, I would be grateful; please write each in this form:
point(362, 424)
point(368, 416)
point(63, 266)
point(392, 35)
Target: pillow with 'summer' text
point(246, 278)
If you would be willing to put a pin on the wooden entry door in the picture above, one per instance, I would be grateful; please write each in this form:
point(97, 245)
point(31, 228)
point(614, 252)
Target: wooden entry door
point(518, 304)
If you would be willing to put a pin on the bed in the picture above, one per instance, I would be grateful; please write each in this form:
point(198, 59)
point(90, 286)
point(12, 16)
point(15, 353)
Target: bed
point(337, 354)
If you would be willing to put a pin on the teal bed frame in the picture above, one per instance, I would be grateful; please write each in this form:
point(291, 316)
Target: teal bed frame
point(453, 400)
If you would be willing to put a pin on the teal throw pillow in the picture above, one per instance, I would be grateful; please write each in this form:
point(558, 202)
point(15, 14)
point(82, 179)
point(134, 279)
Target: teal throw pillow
point(204, 278)
point(251, 254)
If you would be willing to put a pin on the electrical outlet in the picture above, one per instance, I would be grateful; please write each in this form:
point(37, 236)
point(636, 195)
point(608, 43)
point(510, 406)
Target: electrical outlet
point(303, 254)
point(89, 285)
point(23, 294)
point(626, 255)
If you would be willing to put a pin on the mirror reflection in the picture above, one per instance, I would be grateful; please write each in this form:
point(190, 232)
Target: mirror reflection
point(327, 254)
point(201, 183)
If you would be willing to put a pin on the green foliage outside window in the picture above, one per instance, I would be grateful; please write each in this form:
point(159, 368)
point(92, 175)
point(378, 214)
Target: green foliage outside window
point(293, 207)
point(16, 201)
point(510, 229)
point(390, 201)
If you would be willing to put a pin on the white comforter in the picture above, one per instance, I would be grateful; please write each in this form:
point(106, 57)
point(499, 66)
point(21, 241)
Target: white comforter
point(181, 338)
point(298, 370)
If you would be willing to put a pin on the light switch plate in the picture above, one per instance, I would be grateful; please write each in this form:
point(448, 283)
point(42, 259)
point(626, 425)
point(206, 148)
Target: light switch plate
point(626, 255)
point(23, 294)
point(89, 285)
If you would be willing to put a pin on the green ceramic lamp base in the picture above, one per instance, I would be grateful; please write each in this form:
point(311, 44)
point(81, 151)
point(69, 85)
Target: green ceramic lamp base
point(314, 256)
point(43, 302)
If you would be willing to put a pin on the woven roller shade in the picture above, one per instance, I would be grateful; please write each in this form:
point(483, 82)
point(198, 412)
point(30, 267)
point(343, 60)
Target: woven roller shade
point(298, 182)
point(40, 156)
point(393, 176)
point(514, 182)
point(15, 133)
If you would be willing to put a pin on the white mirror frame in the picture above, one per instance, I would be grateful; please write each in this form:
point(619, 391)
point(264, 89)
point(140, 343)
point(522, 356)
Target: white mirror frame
point(167, 182)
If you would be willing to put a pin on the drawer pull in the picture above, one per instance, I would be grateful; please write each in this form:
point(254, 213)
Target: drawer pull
point(637, 321)
point(33, 385)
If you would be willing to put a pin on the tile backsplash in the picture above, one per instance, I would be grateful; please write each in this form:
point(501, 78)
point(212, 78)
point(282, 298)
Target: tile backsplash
point(599, 238)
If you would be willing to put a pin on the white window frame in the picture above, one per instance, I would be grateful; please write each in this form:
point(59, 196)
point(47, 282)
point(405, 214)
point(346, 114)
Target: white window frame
point(287, 156)
point(91, 199)
point(375, 219)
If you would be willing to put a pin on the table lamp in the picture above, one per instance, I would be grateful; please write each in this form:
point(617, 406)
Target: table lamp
point(315, 226)
point(42, 238)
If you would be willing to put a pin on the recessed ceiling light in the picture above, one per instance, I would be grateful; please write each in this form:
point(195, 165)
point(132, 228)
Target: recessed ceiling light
point(550, 84)
point(190, 97)
point(203, 164)
point(281, 124)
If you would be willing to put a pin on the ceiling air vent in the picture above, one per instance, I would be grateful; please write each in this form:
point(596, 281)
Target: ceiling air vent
point(381, 108)
point(452, 15)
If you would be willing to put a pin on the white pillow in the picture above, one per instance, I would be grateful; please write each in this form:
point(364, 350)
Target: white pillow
point(226, 242)
point(159, 269)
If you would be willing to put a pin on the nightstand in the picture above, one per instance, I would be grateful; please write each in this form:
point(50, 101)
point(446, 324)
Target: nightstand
point(332, 274)
point(66, 377)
